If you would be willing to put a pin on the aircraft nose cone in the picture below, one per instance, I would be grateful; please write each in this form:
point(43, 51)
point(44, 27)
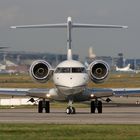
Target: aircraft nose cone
point(75, 81)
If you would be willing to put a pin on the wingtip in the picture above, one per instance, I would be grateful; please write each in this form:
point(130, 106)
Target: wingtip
point(13, 27)
point(125, 27)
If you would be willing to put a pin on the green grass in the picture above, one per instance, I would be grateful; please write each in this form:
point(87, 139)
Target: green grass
point(66, 132)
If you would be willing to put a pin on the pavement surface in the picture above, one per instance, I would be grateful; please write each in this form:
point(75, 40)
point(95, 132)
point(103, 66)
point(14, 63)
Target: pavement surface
point(110, 115)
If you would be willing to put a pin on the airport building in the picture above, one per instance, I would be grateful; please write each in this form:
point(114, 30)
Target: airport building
point(26, 57)
point(118, 61)
point(21, 61)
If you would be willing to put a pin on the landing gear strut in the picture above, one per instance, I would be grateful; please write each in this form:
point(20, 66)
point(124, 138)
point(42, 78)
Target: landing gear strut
point(44, 105)
point(70, 109)
point(96, 105)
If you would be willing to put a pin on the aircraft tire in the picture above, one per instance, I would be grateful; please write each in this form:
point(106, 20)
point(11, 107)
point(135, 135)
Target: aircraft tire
point(99, 108)
point(73, 111)
point(68, 110)
point(93, 107)
point(47, 106)
point(40, 108)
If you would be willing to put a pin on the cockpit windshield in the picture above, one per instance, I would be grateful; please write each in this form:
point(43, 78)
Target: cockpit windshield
point(62, 70)
point(70, 70)
point(78, 70)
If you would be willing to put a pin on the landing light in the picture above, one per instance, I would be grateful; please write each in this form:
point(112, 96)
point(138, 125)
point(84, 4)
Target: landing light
point(48, 95)
point(92, 95)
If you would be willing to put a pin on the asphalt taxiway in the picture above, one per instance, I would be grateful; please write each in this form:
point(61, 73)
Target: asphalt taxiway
point(110, 115)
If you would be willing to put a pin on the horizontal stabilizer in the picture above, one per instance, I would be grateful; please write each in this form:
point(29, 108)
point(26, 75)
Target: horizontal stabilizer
point(64, 25)
point(98, 26)
point(41, 26)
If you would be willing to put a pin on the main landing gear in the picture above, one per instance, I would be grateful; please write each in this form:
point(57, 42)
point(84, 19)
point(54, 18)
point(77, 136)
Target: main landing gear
point(70, 109)
point(44, 105)
point(96, 105)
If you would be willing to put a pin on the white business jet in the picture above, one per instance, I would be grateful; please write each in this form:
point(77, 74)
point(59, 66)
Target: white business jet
point(70, 77)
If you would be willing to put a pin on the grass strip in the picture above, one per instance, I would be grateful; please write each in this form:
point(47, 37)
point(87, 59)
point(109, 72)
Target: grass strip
point(67, 132)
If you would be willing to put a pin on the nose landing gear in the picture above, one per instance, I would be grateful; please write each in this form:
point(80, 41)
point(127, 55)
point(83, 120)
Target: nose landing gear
point(70, 109)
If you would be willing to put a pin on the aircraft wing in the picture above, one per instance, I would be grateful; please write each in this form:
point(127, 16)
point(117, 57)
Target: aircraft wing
point(88, 94)
point(98, 92)
point(107, 92)
point(22, 92)
point(126, 91)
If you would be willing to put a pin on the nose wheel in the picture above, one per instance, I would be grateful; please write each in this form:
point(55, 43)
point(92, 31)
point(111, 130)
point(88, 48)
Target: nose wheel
point(70, 109)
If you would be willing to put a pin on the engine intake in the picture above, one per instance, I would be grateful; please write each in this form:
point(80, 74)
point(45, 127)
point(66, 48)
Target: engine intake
point(40, 70)
point(98, 71)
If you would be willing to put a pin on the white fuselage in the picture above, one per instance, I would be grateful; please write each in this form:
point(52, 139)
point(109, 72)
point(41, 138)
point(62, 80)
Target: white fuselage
point(70, 77)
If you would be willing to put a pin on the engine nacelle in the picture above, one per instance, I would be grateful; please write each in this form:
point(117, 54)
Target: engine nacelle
point(40, 70)
point(98, 71)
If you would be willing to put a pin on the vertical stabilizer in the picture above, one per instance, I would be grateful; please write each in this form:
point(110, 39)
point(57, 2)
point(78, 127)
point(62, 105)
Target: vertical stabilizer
point(69, 39)
point(91, 53)
point(69, 54)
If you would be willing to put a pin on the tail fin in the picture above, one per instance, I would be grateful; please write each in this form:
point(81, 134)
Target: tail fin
point(69, 25)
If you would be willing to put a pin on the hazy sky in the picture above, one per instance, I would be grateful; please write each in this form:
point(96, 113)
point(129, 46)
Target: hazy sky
point(104, 41)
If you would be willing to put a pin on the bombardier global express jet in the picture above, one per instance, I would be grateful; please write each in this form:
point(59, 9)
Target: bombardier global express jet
point(70, 77)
